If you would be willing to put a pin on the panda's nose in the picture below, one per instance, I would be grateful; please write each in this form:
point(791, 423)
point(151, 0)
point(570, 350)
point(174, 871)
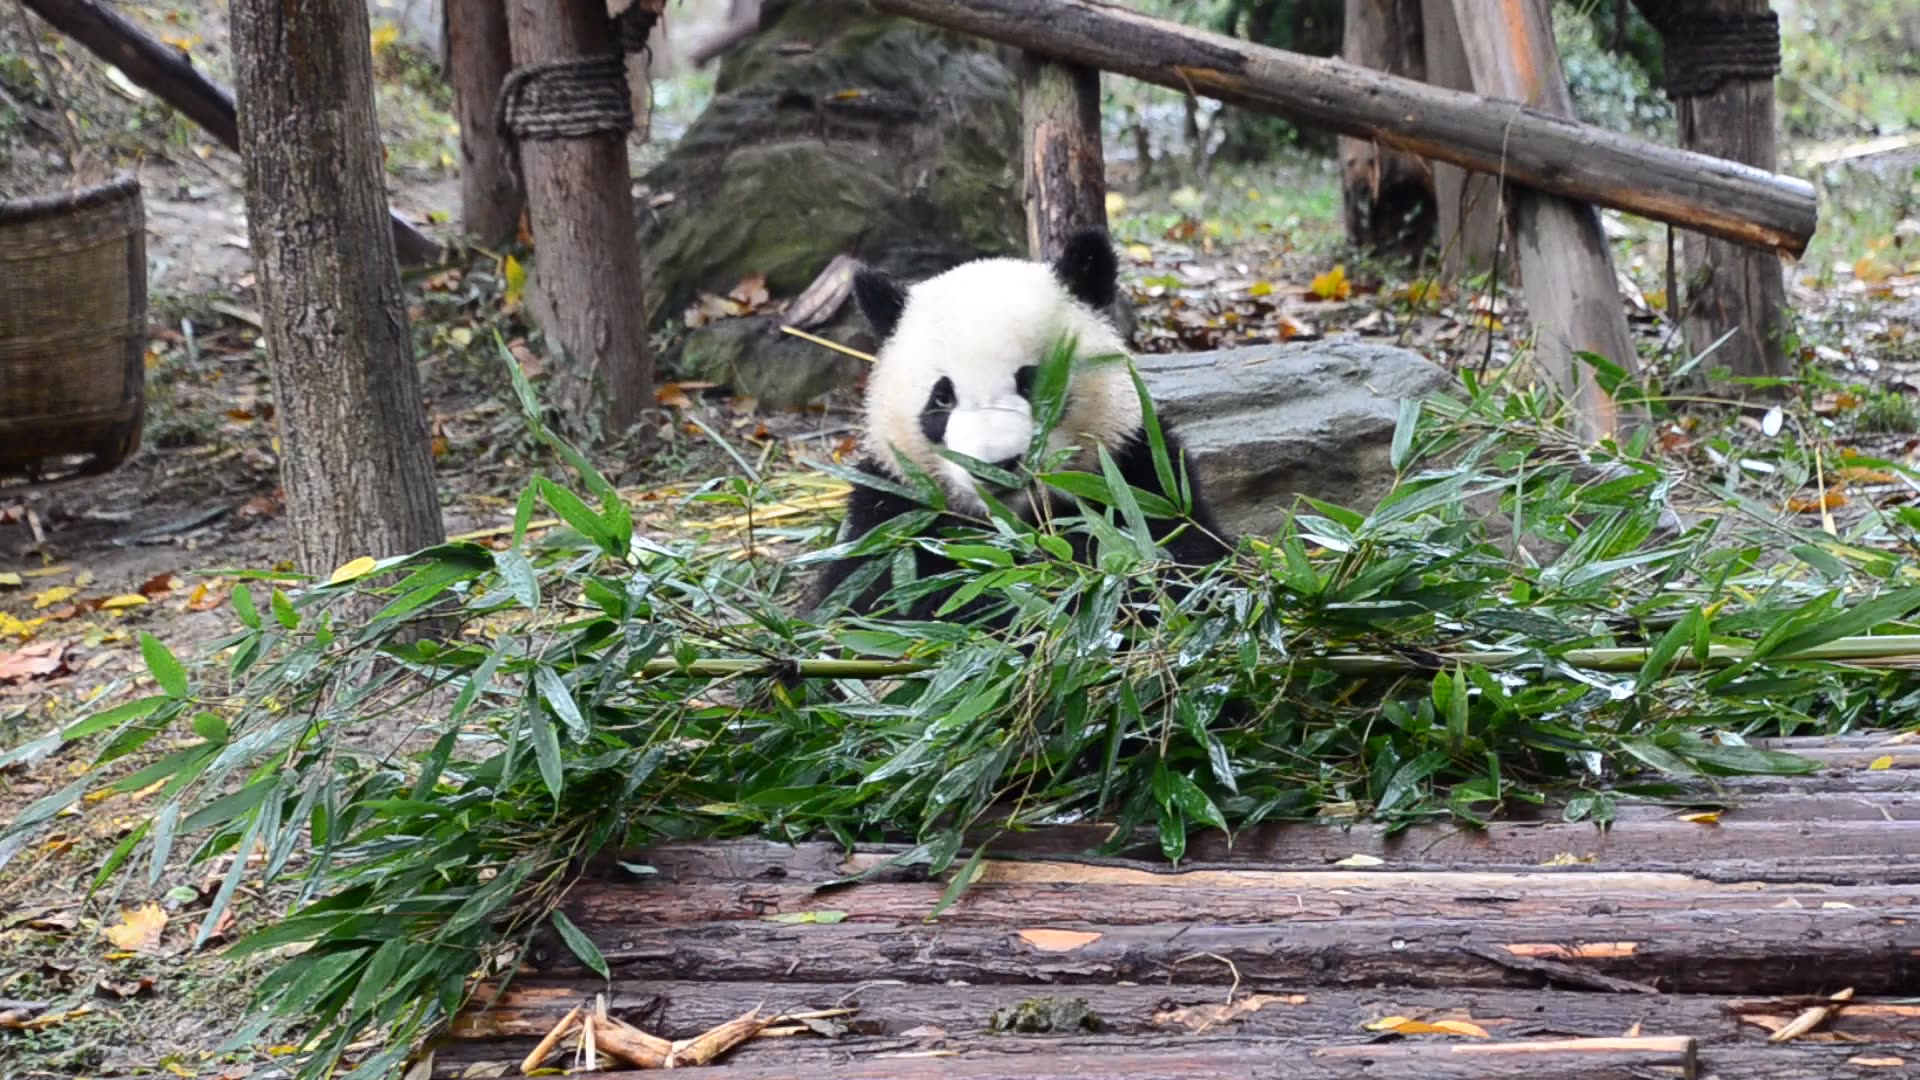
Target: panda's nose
point(1008, 464)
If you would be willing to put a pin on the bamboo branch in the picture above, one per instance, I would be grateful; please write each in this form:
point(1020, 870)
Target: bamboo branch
point(1858, 651)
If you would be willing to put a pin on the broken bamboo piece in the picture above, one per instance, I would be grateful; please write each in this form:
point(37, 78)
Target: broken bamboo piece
point(1578, 161)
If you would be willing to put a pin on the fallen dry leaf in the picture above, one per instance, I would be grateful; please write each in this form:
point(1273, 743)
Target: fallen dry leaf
point(1332, 285)
point(159, 583)
point(1402, 1025)
point(139, 928)
point(124, 989)
point(55, 595)
point(34, 662)
point(1711, 817)
point(1198, 1018)
point(1883, 762)
point(1831, 500)
point(1058, 940)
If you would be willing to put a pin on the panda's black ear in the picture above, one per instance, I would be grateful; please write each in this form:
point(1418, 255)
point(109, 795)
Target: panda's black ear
point(1089, 269)
point(881, 300)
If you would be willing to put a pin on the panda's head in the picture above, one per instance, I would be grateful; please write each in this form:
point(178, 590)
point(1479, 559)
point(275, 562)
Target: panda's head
point(959, 353)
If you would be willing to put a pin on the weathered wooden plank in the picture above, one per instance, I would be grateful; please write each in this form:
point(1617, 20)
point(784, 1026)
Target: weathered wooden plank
point(1577, 161)
point(1669, 844)
point(1749, 952)
point(1066, 179)
point(1095, 1057)
point(681, 1008)
point(1019, 894)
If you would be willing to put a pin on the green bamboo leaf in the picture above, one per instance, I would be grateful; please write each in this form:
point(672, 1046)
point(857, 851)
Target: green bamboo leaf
point(546, 747)
point(1193, 803)
point(582, 946)
point(1123, 497)
point(1678, 636)
point(1403, 429)
point(519, 576)
point(237, 871)
point(554, 690)
point(161, 663)
point(1406, 779)
point(968, 873)
point(243, 606)
point(284, 612)
point(138, 709)
point(1848, 623)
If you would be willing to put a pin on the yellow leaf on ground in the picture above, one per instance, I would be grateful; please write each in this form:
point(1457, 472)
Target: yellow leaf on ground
point(125, 600)
point(1884, 761)
point(1332, 285)
point(516, 276)
point(11, 580)
point(1708, 818)
point(139, 928)
point(53, 596)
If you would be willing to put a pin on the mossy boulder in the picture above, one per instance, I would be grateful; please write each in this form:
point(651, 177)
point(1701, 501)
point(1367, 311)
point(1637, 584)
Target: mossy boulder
point(833, 131)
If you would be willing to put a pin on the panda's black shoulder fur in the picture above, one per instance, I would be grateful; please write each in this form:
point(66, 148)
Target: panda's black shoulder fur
point(1199, 541)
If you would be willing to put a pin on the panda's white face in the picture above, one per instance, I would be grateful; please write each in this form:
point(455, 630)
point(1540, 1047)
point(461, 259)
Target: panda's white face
point(957, 368)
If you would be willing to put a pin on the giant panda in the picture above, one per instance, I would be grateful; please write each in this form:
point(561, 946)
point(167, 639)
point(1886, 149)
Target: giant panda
point(955, 368)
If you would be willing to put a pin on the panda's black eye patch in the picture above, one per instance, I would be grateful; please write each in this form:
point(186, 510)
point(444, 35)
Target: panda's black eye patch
point(1023, 381)
point(933, 417)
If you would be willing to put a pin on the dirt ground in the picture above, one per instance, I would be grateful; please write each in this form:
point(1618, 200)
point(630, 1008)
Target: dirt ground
point(85, 566)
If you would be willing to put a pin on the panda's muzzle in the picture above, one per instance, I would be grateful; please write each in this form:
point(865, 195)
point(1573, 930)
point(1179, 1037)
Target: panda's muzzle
point(997, 433)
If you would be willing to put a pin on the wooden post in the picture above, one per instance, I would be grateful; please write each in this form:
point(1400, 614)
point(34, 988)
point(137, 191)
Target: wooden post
point(168, 73)
point(1468, 203)
point(1726, 287)
point(587, 270)
point(1066, 182)
point(1525, 145)
point(356, 461)
point(1566, 267)
point(478, 58)
point(1387, 192)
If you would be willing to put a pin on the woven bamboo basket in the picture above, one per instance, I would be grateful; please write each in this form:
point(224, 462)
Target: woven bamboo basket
point(73, 323)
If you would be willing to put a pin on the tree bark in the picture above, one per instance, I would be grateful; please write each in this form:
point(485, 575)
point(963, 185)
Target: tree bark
point(1066, 182)
point(479, 56)
point(1528, 146)
point(168, 73)
point(1727, 287)
point(1387, 192)
point(1468, 203)
point(1566, 267)
point(357, 466)
point(587, 273)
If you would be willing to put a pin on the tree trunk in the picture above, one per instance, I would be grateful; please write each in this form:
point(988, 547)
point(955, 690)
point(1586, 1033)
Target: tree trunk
point(587, 273)
point(1526, 145)
point(1386, 192)
point(1566, 267)
point(479, 57)
point(1727, 287)
point(1468, 203)
point(357, 467)
point(168, 73)
point(1066, 183)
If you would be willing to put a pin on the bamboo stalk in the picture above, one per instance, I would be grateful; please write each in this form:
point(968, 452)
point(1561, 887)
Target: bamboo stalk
point(1860, 651)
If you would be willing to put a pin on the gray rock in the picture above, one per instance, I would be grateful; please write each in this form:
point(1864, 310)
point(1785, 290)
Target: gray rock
point(1266, 423)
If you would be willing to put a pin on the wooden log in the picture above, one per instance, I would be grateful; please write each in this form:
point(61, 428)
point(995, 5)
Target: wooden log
point(1066, 182)
point(1387, 192)
point(1761, 952)
point(678, 1008)
point(1095, 1057)
point(579, 200)
point(1867, 852)
point(1526, 145)
point(1467, 203)
point(1729, 291)
point(1018, 893)
point(168, 73)
point(1566, 265)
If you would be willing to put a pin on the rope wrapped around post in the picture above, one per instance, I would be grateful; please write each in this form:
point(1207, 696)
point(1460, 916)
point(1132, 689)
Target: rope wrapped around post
point(574, 99)
point(1707, 48)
